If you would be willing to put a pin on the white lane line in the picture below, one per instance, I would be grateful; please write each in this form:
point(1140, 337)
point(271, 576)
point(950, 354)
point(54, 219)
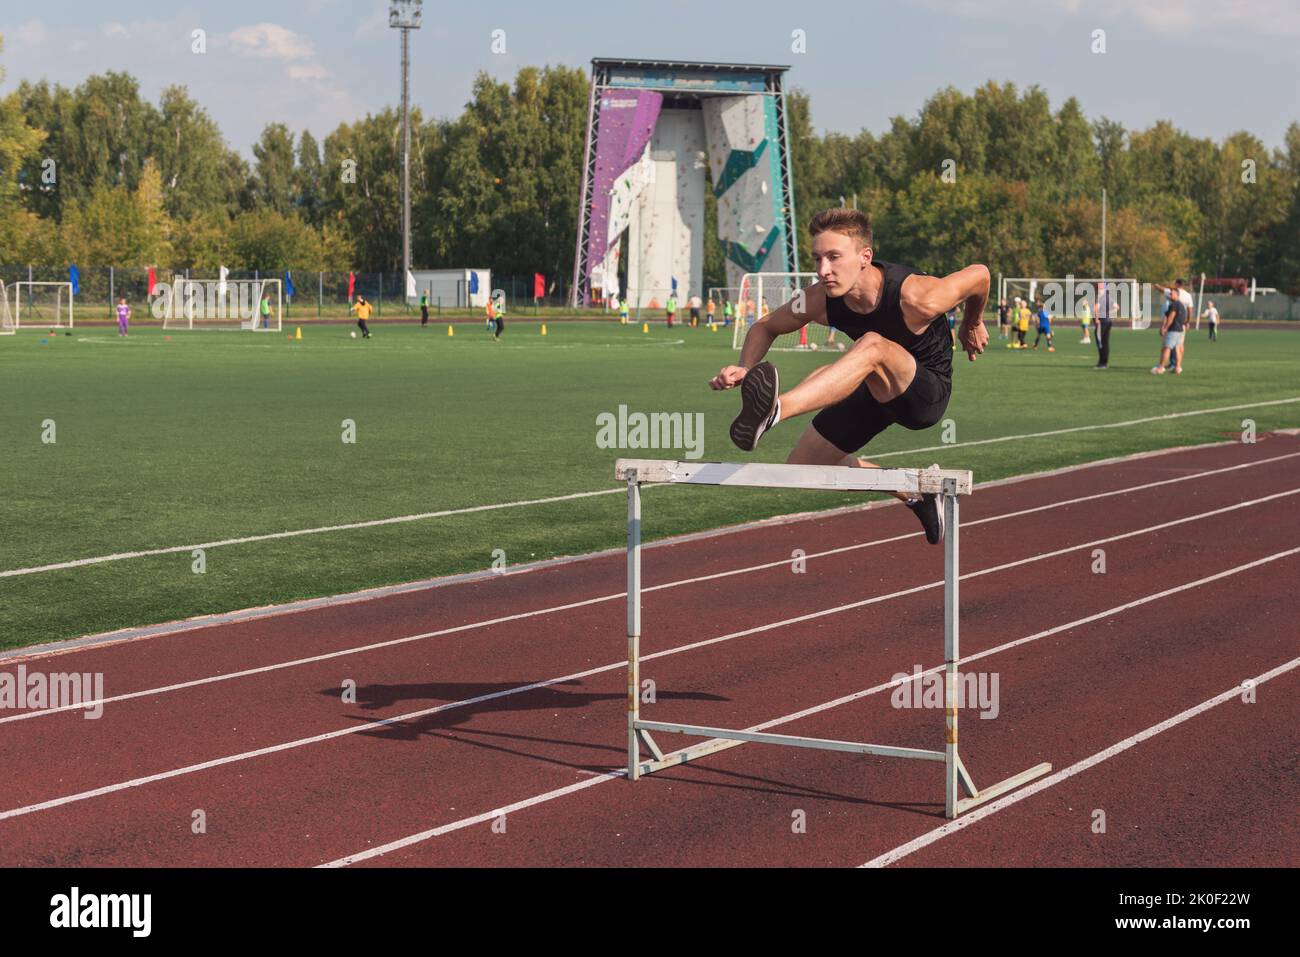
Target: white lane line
point(972, 817)
point(835, 703)
point(421, 516)
point(405, 639)
point(471, 821)
point(1090, 428)
point(425, 712)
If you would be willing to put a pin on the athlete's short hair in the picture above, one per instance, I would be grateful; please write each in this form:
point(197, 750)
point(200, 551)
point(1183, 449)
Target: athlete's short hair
point(851, 222)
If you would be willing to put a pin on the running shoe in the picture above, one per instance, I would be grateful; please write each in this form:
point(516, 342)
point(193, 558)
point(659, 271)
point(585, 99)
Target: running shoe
point(926, 509)
point(759, 408)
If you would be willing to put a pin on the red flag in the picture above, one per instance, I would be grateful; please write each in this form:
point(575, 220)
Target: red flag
point(352, 285)
point(539, 285)
point(153, 279)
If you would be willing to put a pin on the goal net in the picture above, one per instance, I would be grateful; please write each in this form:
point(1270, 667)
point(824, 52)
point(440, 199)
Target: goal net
point(723, 294)
point(248, 304)
point(1064, 297)
point(762, 293)
point(7, 327)
point(47, 305)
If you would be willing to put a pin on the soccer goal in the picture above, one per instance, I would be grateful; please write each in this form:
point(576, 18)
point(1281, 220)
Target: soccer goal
point(47, 305)
point(761, 293)
point(230, 304)
point(7, 327)
point(1064, 297)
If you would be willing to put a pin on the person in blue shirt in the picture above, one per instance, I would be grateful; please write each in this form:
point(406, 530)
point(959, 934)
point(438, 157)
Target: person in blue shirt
point(1044, 326)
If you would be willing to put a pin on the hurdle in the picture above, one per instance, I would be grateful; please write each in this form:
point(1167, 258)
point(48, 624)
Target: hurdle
point(950, 484)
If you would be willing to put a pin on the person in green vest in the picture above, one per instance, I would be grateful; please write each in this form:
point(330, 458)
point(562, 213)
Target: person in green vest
point(671, 308)
point(727, 313)
point(424, 308)
point(266, 310)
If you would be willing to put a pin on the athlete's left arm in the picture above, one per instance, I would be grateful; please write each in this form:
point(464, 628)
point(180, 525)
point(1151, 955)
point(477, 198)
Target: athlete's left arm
point(924, 297)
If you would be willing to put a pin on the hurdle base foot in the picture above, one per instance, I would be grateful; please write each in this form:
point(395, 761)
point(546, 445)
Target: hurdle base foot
point(1001, 788)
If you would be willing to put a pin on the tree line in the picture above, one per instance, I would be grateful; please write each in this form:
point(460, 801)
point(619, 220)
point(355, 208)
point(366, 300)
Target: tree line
point(101, 176)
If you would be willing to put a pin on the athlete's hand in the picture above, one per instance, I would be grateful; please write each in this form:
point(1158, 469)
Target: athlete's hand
point(973, 338)
point(730, 377)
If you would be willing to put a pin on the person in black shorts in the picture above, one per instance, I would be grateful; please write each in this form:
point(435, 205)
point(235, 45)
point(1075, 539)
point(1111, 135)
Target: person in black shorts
point(899, 370)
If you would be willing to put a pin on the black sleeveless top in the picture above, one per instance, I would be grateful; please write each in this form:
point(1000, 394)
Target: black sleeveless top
point(932, 348)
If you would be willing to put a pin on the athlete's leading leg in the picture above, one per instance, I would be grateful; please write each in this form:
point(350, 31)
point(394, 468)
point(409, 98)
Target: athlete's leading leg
point(886, 367)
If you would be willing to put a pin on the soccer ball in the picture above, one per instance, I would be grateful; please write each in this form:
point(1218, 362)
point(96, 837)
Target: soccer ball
point(352, 334)
point(812, 346)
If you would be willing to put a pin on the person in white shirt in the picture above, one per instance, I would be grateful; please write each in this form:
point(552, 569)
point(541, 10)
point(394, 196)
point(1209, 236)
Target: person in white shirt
point(1211, 315)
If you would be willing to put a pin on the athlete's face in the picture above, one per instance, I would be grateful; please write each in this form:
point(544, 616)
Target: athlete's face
point(839, 260)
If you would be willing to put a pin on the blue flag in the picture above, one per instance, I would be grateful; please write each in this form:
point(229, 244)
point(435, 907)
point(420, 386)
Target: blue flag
point(674, 285)
point(74, 277)
point(288, 284)
point(473, 283)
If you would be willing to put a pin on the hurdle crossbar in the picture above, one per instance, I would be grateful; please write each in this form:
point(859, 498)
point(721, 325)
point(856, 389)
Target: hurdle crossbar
point(948, 483)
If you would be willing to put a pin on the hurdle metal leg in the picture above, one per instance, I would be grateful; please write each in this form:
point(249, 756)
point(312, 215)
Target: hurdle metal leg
point(633, 622)
point(951, 652)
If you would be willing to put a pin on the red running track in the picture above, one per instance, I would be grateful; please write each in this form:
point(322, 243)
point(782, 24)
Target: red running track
point(528, 713)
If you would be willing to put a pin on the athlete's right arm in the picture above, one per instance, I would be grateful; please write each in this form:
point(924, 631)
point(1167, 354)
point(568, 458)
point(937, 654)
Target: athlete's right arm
point(790, 317)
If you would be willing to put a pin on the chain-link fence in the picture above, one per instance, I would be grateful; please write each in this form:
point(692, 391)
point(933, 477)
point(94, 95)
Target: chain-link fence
point(316, 295)
point(1231, 305)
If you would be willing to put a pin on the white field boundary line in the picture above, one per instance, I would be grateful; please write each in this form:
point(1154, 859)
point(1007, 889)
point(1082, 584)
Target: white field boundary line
point(786, 719)
point(164, 629)
point(1119, 747)
point(469, 626)
point(294, 533)
point(438, 709)
point(422, 516)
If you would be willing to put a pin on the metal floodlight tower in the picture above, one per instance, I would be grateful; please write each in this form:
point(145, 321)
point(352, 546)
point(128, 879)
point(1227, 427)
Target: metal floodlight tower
point(406, 15)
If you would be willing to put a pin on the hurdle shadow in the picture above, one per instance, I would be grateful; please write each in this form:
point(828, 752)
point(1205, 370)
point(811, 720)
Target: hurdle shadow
point(735, 781)
point(553, 697)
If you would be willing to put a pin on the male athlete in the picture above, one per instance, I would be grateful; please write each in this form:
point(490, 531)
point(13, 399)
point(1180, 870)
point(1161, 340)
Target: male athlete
point(899, 369)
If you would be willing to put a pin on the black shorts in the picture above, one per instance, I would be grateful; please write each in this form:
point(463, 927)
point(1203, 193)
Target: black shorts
point(852, 423)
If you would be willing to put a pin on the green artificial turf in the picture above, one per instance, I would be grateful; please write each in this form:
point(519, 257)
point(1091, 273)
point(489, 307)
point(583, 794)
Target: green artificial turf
point(204, 436)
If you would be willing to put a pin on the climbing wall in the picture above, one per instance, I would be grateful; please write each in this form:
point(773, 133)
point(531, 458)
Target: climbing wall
point(660, 130)
point(627, 120)
point(667, 223)
point(743, 152)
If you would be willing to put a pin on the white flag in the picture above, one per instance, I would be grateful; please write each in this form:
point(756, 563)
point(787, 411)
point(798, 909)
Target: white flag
point(221, 287)
point(410, 285)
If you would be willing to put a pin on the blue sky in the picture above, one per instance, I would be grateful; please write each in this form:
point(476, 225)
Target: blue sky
point(1211, 66)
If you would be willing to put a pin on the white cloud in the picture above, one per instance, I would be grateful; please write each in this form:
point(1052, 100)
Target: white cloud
point(1182, 19)
point(32, 33)
point(270, 40)
point(308, 71)
point(117, 30)
point(1185, 18)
